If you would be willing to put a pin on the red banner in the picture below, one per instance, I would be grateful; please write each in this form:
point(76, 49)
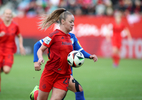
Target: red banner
point(91, 31)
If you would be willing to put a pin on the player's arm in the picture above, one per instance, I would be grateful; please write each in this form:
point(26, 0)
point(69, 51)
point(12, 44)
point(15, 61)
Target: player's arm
point(22, 50)
point(2, 34)
point(77, 46)
point(128, 34)
point(37, 45)
point(40, 56)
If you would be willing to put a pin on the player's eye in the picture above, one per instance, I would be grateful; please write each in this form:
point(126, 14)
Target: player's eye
point(71, 21)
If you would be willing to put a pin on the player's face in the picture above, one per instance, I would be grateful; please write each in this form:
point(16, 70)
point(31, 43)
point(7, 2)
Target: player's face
point(7, 15)
point(69, 22)
point(118, 19)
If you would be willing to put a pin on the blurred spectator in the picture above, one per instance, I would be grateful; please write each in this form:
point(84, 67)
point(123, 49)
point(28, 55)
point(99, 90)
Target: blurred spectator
point(100, 8)
point(128, 7)
point(137, 6)
point(32, 8)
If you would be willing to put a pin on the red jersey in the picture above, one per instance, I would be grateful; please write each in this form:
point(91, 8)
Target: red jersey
point(59, 46)
point(7, 42)
point(117, 29)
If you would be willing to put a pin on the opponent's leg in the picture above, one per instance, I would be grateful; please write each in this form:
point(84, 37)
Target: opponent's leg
point(76, 88)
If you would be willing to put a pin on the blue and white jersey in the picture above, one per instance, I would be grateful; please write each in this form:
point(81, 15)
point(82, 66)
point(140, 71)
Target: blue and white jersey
point(75, 43)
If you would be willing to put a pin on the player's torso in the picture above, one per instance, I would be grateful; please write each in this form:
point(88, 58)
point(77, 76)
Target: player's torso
point(8, 40)
point(61, 45)
point(60, 48)
point(10, 32)
point(118, 28)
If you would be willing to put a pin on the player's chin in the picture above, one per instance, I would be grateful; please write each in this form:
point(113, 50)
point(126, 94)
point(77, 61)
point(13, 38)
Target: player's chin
point(71, 28)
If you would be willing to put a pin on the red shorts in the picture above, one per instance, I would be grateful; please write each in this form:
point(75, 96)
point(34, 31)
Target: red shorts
point(6, 59)
point(50, 79)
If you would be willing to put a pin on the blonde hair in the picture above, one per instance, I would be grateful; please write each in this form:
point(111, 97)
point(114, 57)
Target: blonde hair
point(12, 13)
point(48, 20)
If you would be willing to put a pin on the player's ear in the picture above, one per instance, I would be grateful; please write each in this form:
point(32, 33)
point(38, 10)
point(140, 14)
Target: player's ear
point(62, 21)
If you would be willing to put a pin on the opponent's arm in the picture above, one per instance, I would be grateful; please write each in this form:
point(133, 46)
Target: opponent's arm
point(37, 45)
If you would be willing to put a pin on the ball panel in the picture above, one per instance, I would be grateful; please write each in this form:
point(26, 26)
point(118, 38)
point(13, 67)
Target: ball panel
point(75, 59)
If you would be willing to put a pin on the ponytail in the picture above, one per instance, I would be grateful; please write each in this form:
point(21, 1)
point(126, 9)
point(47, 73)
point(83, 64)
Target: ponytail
point(47, 21)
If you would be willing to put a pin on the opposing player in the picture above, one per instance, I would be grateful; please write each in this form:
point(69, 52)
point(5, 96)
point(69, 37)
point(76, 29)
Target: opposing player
point(8, 31)
point(73, 84)
point(117, 27)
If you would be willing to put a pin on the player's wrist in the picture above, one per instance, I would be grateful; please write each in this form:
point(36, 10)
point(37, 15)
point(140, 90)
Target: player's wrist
point(40, 58)
point(90, 57)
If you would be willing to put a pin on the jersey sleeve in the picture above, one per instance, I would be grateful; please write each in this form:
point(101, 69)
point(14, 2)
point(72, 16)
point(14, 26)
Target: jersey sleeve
point(48, 41)
point(78, 47)
point(37, 45)
point(76, 43)
point(86, 54)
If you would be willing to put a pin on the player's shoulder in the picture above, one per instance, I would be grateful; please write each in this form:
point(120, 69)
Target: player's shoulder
point(54, 33)
point(72, 35)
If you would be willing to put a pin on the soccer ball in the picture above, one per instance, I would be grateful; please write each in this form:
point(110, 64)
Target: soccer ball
point(75, 59)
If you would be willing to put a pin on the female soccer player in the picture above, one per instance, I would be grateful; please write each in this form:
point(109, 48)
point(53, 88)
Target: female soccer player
point(56, 73)
point(73, 84)
point(117, 27)
point(8, 30)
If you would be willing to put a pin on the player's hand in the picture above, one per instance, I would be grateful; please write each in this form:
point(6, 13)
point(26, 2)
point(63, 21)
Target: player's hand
point(2, 33)
point(40, 61)
point(22, 51)
point(37, 66)
point(94, 57)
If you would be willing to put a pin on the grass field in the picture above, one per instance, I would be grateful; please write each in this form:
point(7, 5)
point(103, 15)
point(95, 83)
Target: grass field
point(100, 80)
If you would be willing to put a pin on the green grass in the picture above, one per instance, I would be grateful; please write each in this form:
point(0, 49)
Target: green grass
point(99, 80)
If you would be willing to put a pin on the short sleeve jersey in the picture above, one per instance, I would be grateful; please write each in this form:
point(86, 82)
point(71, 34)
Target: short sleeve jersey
point(7, 42)
point(59, 46)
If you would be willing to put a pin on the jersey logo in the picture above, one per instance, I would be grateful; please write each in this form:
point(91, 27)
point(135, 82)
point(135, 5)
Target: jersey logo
point(62, 37)
point(47, 40)
point(72, 40)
